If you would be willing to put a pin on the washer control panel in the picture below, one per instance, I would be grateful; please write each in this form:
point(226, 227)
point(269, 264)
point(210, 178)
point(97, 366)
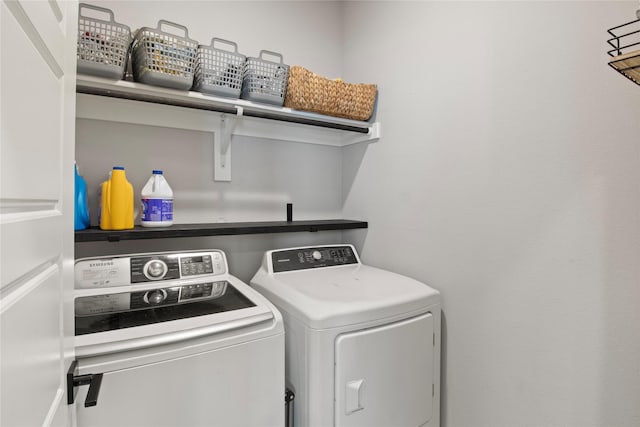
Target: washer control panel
point(91, 273)
point(151, 268)
point(312, 257)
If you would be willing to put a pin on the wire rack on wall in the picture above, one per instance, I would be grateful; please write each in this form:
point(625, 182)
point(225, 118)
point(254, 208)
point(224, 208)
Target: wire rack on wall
point(626, 49)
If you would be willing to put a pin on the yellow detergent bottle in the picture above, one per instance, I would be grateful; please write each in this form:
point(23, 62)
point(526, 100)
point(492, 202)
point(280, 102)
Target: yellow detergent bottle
point(116, 210)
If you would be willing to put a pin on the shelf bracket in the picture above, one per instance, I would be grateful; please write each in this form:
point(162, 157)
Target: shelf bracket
point(374, 134)
point(222, 145)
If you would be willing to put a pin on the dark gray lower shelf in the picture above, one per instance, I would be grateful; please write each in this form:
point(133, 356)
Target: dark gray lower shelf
point(95, 234)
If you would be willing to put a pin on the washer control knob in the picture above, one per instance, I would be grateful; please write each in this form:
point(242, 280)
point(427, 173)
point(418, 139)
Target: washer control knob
point(155, 269)
point(316, 255)
point(155, 297)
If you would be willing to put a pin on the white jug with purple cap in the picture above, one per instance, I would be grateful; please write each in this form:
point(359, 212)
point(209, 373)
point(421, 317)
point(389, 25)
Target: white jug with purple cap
point(157, 202)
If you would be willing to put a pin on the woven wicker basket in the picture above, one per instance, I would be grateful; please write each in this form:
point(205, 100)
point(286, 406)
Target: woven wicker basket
point(308, 91)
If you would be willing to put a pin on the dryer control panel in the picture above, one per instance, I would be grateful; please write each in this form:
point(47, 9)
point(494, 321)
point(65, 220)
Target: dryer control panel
point(312, 257)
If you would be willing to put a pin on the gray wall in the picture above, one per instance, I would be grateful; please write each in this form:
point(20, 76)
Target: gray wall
point(507, 178)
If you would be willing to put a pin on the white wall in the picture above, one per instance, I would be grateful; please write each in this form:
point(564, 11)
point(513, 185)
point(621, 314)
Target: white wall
point(507, 177)
point(307, 33)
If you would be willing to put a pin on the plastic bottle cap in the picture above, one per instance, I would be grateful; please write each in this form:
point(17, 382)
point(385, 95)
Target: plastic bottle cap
point(157, 172)
point(118, 168)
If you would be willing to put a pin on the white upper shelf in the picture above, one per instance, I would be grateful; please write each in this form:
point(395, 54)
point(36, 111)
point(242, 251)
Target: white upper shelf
point(119, 101)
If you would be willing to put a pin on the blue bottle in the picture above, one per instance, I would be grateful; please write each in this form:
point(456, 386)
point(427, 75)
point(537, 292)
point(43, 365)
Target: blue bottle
point(81, 200)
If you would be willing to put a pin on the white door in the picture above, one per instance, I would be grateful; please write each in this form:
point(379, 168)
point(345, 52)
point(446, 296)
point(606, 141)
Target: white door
point(384, 375)
point(37, 122)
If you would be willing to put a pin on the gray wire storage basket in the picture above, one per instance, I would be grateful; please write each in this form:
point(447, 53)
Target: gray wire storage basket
point(161, 58)
point(265, 81)
point(103, 44)
point(218, 71)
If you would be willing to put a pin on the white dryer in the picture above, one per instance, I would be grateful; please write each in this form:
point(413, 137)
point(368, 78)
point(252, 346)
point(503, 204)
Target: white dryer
point(362, 345)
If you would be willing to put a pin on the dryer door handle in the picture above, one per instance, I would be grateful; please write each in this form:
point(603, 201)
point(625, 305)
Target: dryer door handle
point(354, 396)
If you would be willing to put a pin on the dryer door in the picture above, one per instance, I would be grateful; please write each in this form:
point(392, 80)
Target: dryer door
point(384, 375)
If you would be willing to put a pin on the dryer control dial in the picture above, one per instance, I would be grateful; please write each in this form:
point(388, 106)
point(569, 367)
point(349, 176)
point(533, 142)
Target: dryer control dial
point(155, 269)
point(317, 255)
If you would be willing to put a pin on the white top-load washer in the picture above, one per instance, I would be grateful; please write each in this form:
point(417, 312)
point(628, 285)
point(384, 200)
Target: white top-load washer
point(362, 345)
point(172, 339)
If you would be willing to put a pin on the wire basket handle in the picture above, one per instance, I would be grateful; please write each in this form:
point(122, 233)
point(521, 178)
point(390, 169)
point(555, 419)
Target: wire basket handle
point(268, 52)
point(164, 22)
point(223, 41)
point(109, 12)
